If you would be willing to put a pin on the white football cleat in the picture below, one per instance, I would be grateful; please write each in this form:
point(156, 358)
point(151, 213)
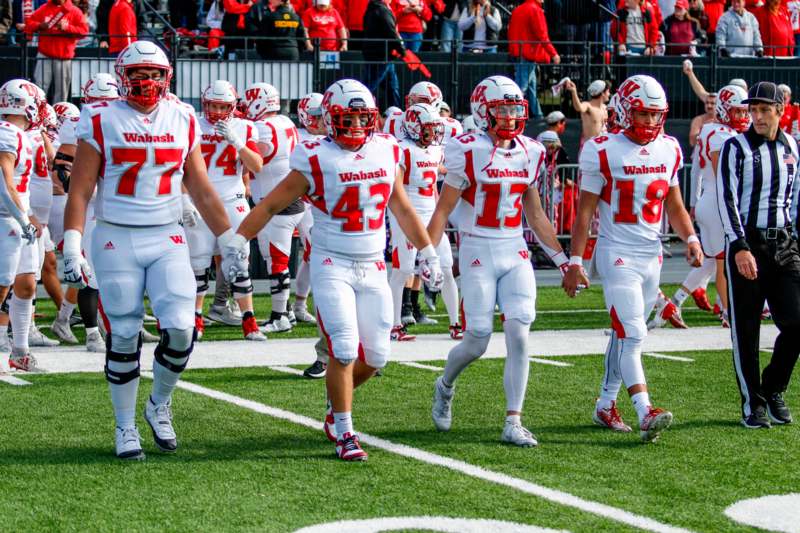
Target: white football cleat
point(159, 417)
point(518, 435)
point(63, 331)
point(21, 359)
point(37, 338)
point(277, 325)
point(128, 443)
point(95, 343)
point(655, 421)
point(442, 410)
point(291, 316)
point(301, 314)
point(256, 336)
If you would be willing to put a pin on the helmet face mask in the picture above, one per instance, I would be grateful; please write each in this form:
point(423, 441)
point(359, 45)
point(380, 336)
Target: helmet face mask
point(423, 125)
point(219, 101)
point(730, 108)
point(144, 73)
point(349, 113)
point(641, 108)
point(499, 107)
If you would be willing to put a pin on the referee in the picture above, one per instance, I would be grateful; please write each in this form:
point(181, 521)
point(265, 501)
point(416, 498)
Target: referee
point(757, 184)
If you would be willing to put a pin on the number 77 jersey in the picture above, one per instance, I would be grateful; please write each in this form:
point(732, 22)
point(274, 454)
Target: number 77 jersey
point(632, 181)
point(142, 159)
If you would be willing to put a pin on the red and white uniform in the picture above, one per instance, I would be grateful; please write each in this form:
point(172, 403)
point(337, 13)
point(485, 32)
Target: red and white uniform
point(393, 125)
point(452, 129)
point(225, 171)
point(419, 167)
point(275, 240)
point(632, 181)
point(41, 188)
point(307, 222)
point(138, 244)
point(16, 257)
point(493, 256)
point(349, 192)
point(712, 235)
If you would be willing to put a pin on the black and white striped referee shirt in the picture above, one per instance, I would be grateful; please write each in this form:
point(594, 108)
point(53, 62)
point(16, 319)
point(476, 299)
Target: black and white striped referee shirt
point(757, 185)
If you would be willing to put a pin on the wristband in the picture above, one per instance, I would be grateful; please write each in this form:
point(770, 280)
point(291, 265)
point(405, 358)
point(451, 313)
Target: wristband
point(72, 242)
point(576, 260)
point(560, 258)
point(428, 252)
point(692, 238)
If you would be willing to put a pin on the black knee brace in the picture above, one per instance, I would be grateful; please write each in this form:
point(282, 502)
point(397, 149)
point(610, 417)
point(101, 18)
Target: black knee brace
point(202, 281)
point(279, 282)
point(121, 378)
point(163, 349)
point(242, 285)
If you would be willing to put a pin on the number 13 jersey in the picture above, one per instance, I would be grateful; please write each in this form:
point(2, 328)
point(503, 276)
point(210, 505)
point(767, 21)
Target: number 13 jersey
point(632, 181)
point(349, 192)
point(142, 159)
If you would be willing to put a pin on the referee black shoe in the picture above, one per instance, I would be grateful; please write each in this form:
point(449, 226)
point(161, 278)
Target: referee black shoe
point(316, 371)
point(758, 419)
point(777, 410)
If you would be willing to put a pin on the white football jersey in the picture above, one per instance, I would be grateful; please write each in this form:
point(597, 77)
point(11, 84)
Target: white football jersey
point(393, 125)
point(452, 129)
point(14, 141)
point(142, 159)
point(222, 161)
point(349, 192)
point(632, 181)
point(711, 138)
point(420, 167)
point(40, 185)
point(305, 135)
point(492, 182)
point(280, 135)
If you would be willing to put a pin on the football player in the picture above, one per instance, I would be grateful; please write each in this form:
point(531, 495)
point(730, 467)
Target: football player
point(492, 175)
point(351, 176)
point(631, 174)
point(21, 109)
point(144, 147)
point(732, 117)
point(228, 145)
point(423, 92)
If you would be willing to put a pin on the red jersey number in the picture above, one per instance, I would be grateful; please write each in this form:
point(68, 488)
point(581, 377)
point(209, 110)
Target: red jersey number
point(350, 210)
point(490, 217)
point(136, 157)
point(655, 194)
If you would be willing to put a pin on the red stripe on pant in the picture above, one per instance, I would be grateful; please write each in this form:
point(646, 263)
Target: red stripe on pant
point(616, 325)
point(103, 316)
point(279, 260)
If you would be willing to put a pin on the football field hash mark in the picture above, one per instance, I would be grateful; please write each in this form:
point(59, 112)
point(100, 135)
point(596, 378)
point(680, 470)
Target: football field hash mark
point(548, 362)
point(422, 366)
point(553, 495)
point(12, 380)
point(669, 357)
point(286, 369)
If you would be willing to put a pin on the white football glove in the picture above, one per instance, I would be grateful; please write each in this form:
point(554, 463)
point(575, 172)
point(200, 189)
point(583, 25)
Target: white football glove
point(430, 270)
point(234, 249)
point(77, 271)
point(189, 214)
point(225, 129)
point(28, 233)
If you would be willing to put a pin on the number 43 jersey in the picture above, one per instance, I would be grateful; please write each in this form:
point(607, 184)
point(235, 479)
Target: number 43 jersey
point(142, 159)
point(349, 192)
point(632, 181)
point(492, 182)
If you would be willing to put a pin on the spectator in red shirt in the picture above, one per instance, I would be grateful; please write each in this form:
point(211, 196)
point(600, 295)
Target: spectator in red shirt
point(323, 22)
point(121, 26)
point(530, 44)
point(714, 9)
point(635, 29)
point(412, 17)
point(60, 25)
point(680, 30)
point(775, 26)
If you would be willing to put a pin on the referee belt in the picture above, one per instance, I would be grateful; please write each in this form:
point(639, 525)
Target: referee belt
point(772, 234)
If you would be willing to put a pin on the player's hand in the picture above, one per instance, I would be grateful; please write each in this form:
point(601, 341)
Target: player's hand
point(225, 130)
point(694, 254)
point(77, 271)
point(430, 269)
point(574, 280)
point(234, 249)
point(189, 214)
point(746, 264)
point(30, 232)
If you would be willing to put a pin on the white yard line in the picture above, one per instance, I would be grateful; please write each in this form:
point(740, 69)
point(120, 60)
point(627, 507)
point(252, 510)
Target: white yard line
point(669, 357)
point(12, 380)
point(549, 362)
point(556, 496)
point(419, 365)
point(286, 369)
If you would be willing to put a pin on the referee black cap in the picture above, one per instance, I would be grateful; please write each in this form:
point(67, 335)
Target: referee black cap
point(764, 92)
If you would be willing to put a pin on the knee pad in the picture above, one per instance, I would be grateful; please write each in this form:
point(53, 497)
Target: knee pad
point(202, 280)
point(174, 348)
point(242, 286)
point(279, 282)
point(130, 352)
point(475, 345)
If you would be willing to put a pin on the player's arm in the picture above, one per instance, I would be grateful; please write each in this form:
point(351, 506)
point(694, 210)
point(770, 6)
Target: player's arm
point(251, 159)
point(587, 205)
point(682, 223)
point(49, 151)
point(543, 228)
point(292, 187)
point(205, 198)
point(8, 192)
point(82, 184)
point(406, 215)
point(448, 198)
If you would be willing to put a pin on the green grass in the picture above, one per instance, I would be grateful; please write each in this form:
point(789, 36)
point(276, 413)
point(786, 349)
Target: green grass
point(237, 470)
point(555, 311)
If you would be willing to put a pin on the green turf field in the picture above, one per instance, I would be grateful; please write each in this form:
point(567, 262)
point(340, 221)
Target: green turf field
point(239, 470)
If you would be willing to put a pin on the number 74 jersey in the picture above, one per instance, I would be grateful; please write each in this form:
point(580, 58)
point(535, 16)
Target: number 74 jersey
point(632, 181)
point(142, 159)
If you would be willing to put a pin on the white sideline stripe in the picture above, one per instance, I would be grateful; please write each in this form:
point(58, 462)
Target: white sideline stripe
point(765, 350)
point(566, 311)
point(286, 369)
point(556, 496)
point(549, 362)
point(11, 380)
point(420, 365)
point(669, 357)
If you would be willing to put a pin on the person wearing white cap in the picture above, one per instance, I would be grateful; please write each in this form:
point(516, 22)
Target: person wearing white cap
point(593, 113)
point(556, 121)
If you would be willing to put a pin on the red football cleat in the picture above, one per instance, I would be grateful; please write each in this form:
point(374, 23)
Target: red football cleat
point(400, 334)
point(672, 314)
point(610, 418)
point(701, 299)
point(455, 332)
point(655, 421)
point(349, 449)
point(199, 325)
point(329, 426)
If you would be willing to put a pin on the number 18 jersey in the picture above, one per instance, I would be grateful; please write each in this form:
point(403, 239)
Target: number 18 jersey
point(142, 159)
point(14, 141)
point(349, 192)
point(632, 181)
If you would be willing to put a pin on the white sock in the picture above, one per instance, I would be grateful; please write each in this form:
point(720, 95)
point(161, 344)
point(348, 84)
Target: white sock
point(462, 354)
point(299, 303)
point(20, 314)
point(303, 280)
point(343, 423)
point(123, 397)
point(641, 402)
point(513, 419)
point(515, 373)
point(612, 378)
point(450, 295)
point(164, 379)
point(397, 281)
point(66, 311)
point(679, 297)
